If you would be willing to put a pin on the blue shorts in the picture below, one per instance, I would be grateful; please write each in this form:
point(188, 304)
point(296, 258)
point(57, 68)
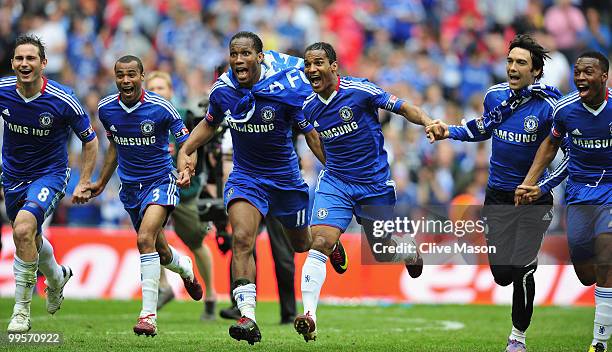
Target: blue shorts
point(588, 219)
point(286, 200)
point(39, 196)
point(336, 201)
point(136, 197)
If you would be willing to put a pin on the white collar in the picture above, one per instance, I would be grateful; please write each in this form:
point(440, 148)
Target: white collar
point(127, 109)
point(27, 100)
point(599, 109)
point(326, 102)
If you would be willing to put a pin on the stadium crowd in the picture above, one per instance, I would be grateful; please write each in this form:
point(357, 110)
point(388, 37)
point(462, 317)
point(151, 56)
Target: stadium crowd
point(439, 54)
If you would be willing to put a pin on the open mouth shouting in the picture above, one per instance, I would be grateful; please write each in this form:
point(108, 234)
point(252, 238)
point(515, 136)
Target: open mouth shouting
point(315, 81)
point(242, 74)
point(128, 92)
point(25, 73)
point(583, 89)
point(514, 79)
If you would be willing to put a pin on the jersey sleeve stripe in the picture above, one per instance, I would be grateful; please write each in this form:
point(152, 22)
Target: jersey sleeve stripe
point(165, 104)
point(560, 105)
point(107, 100)
point(67, 99)
point(361, 89)
point(219, 84)
point(60, 93)
point(8, 80)
point(367, 88)
point(556, 172)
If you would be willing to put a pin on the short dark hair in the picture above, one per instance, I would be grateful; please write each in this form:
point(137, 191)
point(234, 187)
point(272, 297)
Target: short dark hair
point(328, 48)
point(604, 63)
point(126, 59)
point(257, 43)
point(31, 39)
point(538, 53)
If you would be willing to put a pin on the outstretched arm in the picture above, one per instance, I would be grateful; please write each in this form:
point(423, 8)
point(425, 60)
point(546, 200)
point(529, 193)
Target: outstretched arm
point(81, 193)
point(186, 158)
point(546, 153)
point(109, 166)
point(314, 143)
point(417, 116)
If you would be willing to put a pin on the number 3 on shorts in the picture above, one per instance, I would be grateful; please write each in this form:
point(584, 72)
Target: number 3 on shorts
point(155, 194)
point(43, 195)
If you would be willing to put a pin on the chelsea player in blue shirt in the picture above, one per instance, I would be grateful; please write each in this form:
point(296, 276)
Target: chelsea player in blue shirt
point(260, 98)
point(137, 123)
point(585, 117)
point(344, 110)
point(518, 116)
point(38, 116)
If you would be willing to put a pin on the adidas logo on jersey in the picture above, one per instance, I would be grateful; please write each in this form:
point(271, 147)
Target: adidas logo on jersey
point(316, 124)
point(113, 128)
point(6, 112)
point(547, 216)
point(577, 132)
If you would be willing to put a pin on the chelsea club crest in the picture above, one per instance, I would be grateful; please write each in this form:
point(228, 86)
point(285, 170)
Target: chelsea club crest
point(267, 114)
point(45, 119)
point(346, 114)
point(147, 127)
point(531, 124)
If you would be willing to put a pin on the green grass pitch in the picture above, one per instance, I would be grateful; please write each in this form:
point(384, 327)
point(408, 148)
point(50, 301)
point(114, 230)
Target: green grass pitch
point(97, 325)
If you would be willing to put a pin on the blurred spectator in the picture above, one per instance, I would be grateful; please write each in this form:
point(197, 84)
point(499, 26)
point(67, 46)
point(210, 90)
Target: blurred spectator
point(441, 54)
point(565, 22)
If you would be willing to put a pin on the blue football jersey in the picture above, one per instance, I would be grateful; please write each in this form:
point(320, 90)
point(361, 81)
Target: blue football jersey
point(140, 134)
point(349, 128)
point(36, 129)
point(590, 134)
point(262, 144)
point(516, 139)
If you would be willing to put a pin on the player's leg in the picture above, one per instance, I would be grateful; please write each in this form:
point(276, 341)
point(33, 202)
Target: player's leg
point(244, 218)
point(284, 267)
point(192, 231)
point(602, 328)
point(181, 264)
point(376, 203)
point(165, 293)
point(314, 272)
point(332, 213)
point(581, 242)
point(501, 220)
point(28, 203)
point(532, 225)
point(148, 228)
point(290, 206)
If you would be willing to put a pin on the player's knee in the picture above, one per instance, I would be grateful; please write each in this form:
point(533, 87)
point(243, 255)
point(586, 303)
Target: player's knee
point(146, 242)
point(502, 274)
point(301, 243)
point(24, 232)
point(604, 275)
point(322, 244)
point(242, 241)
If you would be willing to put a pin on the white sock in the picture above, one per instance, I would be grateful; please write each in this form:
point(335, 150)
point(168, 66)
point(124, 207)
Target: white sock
point(313, 277)
point(48, 266)
point(245, 296)
point(149, 275)
point(603, 315)
point(179, 264)
point(25, 280)
point(406, 242)
point(518, 335)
